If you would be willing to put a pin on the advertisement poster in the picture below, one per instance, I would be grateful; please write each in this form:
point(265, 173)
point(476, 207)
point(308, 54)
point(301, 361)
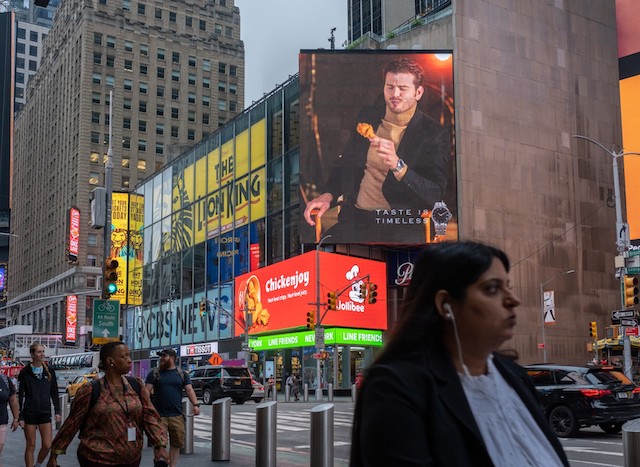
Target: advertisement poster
point(74, 235)
point(377, 147)
point(279, 296)
point(71, 321)
point(127, 219)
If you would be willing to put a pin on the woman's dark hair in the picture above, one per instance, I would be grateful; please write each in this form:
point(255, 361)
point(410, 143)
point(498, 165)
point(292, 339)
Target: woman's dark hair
point(450, 266)
point(106, 351)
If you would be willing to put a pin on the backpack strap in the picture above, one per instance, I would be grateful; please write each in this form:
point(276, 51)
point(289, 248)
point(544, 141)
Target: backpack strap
point(133, 382)
point(96, 388)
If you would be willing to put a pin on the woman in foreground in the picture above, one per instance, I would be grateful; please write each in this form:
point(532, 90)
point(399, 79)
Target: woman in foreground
point(440, 394)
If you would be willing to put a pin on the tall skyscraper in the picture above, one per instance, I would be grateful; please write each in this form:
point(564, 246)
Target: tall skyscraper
point(176, 71)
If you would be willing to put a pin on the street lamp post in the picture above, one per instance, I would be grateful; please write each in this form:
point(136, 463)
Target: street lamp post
point(542, 284)
point(622, 242)
point(319, 330)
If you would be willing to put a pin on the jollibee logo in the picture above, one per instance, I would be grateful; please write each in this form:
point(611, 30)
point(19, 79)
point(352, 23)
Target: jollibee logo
point(354, 293)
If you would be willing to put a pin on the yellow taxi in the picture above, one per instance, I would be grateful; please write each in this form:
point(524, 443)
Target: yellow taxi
point(73, 387)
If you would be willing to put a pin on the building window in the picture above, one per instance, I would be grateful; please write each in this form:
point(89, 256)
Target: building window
point(233, 70)
point(160, 54)
point(144, 50)
point(92, 239)
point(102, 2)
point(160, 72)
point(142, 164)
point(172, 16)
point(33, 36)
point(188, 21)
point(33, 65)
point(233, 89)
point(160, 110)
point(110, 80)
point(126, 123)
point(141, 8)
point(192, 79)
point(175, 113)
point(107, 99)
point(20, 48)
point(144, 87)
point(95, 97)
point(111, 60)
point(203, 25)
point(206, 65)
point(192, 60)
point(143, 106)
point(160, 91)
point(174, 132)
point(206, 83)
point(205, 119)
point(128, 84)
point(22, 33)
point(95, 137)
point(158, 13)
point(191, 116)
point(126, 162)
point(128, 64)
point(19, 62)
point(142, 145)
point(159, 129)
point(97, 38)
point(159, 148)
point(111, 42)
point(222, 104)
point(97, 78)
point(222, 67)
point(127, 103)
point(191, 134)
point(175, 93)
point(217, 28)
point(175, 75)
point(95, 117)
point(128, 46)
point(175, 57)
point(126, 142)
point(97, 58)
point(142, 126)
point(233, 106)
point(94, 178)
point(144, 69)
point(228, 31)
point(206, 100)
point(192, 98)
point(94, 158)
point(222, 86)
point(126, 5)
point(106, 119)
point(19, 77)
point(125, 182)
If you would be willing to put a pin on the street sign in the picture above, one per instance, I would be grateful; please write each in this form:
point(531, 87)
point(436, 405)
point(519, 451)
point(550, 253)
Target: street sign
point(631, 331)
point(215, 359)
point(619, 314)
point(320, 338)
point(628, 322)
point(106, 321)
point(633, 271)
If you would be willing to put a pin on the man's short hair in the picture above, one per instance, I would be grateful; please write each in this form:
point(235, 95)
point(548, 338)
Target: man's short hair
point(168, 351)
point(405, 65)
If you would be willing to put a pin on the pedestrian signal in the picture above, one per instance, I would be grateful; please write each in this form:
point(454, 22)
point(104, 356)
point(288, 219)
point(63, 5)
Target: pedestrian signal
point(332, 300)
point(110, 278)
point(372, 293)
point(593, 329)
point(311, 320)
point(631, 291)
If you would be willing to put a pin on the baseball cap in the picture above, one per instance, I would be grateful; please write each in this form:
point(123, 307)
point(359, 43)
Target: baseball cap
point(168, 351)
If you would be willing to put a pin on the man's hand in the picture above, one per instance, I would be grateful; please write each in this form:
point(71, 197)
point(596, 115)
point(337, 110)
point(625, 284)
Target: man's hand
point(14, 425)
point(321, 203)
point(196, 410)
point(386, 150)
point(58, 418)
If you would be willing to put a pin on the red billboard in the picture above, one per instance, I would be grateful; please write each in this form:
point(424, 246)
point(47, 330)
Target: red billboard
point(71, 318)
point(279, 296)
point(377, 149)
point(74, 235)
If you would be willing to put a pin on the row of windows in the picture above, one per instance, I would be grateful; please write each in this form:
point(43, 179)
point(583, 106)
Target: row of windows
point(20, 64)
point(94, 137)
point(142, 124)
point(21, 49)
point(33, 35)
point(175, 111)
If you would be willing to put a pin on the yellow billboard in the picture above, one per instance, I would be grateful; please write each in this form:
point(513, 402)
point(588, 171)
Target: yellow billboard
point(629, 103)
point(127, 219)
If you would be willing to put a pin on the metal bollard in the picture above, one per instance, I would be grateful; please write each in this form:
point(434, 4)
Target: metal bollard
point(64, 409)
point(318, 392)
point(330, 393)
point(322, 436)
point(631, 442)
point(187, 410)
point(266, 431)
point(221, 430)
point(287, 393)
point(354, 391)
point(306, 392)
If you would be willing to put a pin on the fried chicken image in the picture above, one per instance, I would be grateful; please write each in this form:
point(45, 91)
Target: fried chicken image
point(365, 130)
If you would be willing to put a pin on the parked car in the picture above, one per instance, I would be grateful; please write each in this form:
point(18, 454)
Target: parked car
point(573, 397)
point(73, 387)
point(258, 391)
point(215, 382)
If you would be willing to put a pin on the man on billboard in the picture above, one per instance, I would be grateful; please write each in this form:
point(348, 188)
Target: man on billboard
point(394, 170)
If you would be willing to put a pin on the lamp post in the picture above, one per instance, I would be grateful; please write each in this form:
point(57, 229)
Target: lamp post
point(622, 243)
point(542, 284)
point(319, 330)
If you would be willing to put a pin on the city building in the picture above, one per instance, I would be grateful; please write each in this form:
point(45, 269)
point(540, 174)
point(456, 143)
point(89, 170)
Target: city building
point(158, 77)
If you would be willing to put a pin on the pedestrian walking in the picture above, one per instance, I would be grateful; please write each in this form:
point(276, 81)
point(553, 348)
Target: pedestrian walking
point(166, 383)
point(111, 413)
point(7, 396)
point(468, 404)
point(296, 386)
point(271, 385)
point(38, 388)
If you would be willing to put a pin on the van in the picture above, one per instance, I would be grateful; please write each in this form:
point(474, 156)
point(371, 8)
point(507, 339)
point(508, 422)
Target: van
point(211, 382)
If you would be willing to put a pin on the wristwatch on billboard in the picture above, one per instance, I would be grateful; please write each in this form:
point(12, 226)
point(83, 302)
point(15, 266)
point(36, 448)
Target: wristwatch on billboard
point(441, 217)
point(399, 166)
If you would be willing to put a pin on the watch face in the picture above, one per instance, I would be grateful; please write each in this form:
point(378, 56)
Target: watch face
point(441, 215)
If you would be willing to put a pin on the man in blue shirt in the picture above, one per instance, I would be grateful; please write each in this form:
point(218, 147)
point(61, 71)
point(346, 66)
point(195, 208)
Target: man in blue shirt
point(166, 383)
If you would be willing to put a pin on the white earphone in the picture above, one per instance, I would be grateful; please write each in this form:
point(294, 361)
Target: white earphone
point(449, 311)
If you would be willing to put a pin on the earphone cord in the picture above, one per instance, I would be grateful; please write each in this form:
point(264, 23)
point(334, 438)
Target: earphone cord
point(455, 333)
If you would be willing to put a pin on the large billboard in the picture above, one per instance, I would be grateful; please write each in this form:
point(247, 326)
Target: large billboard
point(279, 296)
point(127, 220)
point(377, 147)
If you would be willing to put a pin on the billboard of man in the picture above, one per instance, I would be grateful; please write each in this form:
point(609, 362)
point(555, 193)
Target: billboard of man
point(376, 154)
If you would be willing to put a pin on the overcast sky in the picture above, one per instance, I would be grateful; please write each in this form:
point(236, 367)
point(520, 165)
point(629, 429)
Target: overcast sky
point(274, 31)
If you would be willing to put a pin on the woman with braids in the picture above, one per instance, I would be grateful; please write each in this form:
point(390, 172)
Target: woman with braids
point(441, 393)
point(111, 425)
point(38, 388)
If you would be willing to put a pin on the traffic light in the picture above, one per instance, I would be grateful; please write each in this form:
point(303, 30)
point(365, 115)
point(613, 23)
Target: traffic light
point(203, 307)
point(372, 294)
point(311, 320)
point(110, 280)
point(593, 329)
point(332, 301)
point(363, 290)
point(631, 291)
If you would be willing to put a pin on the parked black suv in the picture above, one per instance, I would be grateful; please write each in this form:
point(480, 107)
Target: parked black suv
point(215, 382)
point(574, 397)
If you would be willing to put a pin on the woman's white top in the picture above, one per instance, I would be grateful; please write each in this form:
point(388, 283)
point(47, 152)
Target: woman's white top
point(508, 429)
